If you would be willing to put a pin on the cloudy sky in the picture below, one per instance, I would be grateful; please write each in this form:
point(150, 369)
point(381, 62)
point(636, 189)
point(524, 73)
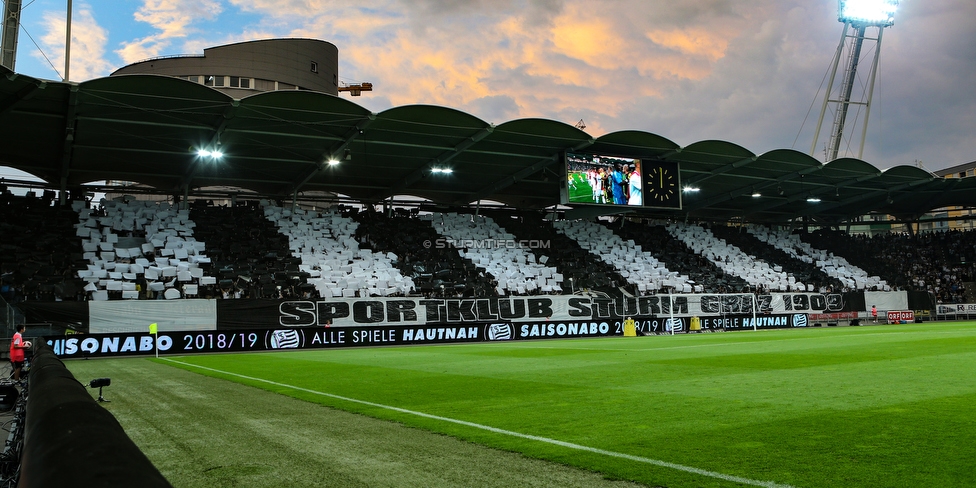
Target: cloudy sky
point(745, 71)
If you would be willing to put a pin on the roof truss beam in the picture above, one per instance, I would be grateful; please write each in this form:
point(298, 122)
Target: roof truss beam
point(724, 197)
point(67, 144)
point(444, 158)
point(875, 194)
point(768, 206)
point(522, 173)
point(214, 142)
point(722, 170)
point(25, 93)
point(337, 148)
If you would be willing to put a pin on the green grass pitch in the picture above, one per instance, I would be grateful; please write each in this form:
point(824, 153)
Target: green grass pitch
point(580, 190)
point(879, 406)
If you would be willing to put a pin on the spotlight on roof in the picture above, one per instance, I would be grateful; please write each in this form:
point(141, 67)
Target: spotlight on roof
point(333, 162)
point(756, 194)
point(691, 189)
point(206, 153)
point(813, 199)
point(441, 170)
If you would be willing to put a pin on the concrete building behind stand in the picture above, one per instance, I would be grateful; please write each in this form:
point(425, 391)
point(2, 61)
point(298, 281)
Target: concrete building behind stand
point(246, 68)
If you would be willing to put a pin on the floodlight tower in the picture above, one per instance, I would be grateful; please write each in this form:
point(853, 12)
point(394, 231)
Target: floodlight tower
point(8, 40)
point(857, 16)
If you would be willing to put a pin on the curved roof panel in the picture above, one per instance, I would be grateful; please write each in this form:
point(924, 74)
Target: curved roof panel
point(147, 129)
point(635, 142)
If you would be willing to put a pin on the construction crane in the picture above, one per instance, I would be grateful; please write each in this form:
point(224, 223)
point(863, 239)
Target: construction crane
point(356, 89)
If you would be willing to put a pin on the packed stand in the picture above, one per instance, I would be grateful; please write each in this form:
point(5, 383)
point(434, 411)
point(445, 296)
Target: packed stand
point(582, 270)
point(637, 266)
point(39, 254)
point(336, 262)
point(803, 271)
point(250, 258)
point(937, 262)
point(760, 275)
point(851, 277)
point(679, 258)
point(436, 267)
point(140, 249)
point(514, 268)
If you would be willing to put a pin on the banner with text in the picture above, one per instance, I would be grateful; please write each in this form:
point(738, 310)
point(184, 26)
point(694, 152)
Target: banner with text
point(956, 309)
point(254, 340)
point(235, 314)
point(270, 339)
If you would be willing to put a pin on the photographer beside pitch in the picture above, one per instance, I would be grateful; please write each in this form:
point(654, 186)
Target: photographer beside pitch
point(17, 346)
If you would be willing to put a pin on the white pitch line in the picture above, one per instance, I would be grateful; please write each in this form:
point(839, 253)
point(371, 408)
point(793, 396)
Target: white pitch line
point(570, 445)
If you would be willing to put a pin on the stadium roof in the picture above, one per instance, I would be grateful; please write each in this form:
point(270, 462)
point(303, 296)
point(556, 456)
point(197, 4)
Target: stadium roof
point(147, 129)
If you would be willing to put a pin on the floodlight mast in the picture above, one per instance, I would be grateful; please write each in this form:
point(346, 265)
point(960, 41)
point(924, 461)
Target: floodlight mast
point(11, 27)
point(857, 16)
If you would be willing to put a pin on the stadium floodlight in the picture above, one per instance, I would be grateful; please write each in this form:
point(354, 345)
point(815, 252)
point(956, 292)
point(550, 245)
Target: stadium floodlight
point(857, 16)
point(333, 162)
point(441, 170)
point(879, 13)
point(813, 199)
point(691, 189)
point(206, 153)
point(756, 194)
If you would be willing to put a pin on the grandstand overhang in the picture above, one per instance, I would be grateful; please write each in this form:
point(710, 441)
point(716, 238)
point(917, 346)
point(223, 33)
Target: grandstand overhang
point(147, 128)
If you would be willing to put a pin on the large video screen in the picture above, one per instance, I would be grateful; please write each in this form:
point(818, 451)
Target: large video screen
point(600, 179)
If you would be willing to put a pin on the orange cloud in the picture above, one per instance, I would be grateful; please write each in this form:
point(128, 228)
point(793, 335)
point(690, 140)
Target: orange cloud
point(549, 58)
point(696, 42)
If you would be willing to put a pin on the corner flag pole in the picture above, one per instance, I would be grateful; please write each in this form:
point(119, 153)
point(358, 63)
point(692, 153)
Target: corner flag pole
point(154, 330)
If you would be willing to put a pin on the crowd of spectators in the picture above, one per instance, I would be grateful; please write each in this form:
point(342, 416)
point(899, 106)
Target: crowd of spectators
point(40, 255)
point(936, 262)
point(250, 258)
point(438, 271)
point(804, 272)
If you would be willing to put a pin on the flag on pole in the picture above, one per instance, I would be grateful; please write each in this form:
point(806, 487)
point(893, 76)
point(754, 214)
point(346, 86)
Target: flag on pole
point(153, 329)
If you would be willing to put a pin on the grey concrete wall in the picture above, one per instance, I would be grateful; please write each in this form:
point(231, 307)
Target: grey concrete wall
point(282, 60)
